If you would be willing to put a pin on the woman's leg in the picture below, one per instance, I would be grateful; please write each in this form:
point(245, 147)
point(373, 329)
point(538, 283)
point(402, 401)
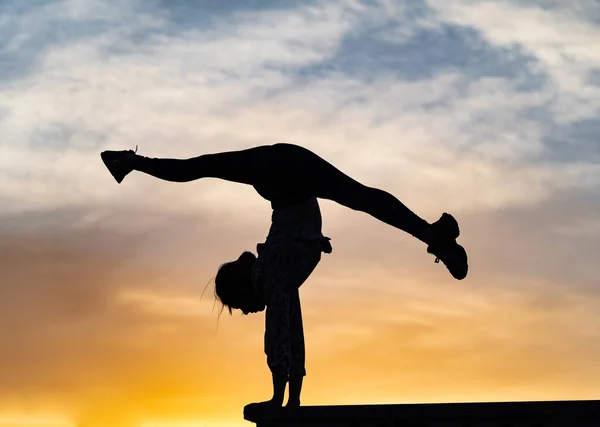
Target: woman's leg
point(237, 166)
point(325, 181)
point(244, 166)
point(381, 205)
point(328, 182)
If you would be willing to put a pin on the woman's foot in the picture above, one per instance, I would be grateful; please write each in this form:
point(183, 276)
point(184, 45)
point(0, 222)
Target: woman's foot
point(443, 245)
point(119, 163)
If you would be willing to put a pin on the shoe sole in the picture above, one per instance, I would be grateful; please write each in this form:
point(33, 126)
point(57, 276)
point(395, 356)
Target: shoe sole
point(460, 273)
point(105, 155)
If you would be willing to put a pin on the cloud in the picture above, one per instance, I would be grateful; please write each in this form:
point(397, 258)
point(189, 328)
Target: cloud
point(90, 317)
point(560, 38)
point(73, 331)
point(183, 88)
point(451, 107)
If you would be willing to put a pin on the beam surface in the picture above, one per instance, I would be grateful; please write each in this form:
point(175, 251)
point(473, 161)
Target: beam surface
point(573, 413)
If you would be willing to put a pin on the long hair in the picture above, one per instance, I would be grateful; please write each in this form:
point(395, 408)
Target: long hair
point(230, 283)
point(227, 284)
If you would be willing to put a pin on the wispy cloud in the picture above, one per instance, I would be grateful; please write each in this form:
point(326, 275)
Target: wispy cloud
point(186, 93)
point(561, 39)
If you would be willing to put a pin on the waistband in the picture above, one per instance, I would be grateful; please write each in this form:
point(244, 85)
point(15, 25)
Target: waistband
point(323, 243)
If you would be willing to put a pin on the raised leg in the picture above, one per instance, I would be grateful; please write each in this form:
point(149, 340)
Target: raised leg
point(242, 166)
point(327, 182)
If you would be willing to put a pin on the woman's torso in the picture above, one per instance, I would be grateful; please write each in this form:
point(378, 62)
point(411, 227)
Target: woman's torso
point(301, 220)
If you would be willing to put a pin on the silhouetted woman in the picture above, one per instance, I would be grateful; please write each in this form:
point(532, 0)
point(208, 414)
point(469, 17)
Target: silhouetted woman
point(292, 178)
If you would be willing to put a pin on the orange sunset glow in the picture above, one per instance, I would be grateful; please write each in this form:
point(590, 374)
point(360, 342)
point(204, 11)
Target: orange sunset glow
point(488, 110)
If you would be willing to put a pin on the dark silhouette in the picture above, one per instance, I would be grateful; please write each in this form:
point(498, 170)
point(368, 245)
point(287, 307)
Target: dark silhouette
point(568, 413)
point(292, 178)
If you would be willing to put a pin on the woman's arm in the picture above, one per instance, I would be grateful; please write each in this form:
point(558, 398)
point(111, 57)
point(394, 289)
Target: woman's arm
point(297, 367)
point(277, 340)
point(284, 342)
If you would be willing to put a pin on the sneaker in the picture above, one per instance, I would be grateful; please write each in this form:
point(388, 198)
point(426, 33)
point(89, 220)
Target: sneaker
point(445, 228)
point(119, 163)
point(444, 246)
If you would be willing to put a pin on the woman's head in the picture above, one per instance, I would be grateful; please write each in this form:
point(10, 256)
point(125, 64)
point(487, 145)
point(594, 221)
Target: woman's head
point(233, 285)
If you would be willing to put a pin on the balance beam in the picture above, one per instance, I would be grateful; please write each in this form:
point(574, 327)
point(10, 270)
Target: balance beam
point(569, 413)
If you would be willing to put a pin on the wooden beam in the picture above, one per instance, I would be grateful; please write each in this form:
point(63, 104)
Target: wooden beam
point(573, 413)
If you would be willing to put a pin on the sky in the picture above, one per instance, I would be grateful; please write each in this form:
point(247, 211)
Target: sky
point(485, 109)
